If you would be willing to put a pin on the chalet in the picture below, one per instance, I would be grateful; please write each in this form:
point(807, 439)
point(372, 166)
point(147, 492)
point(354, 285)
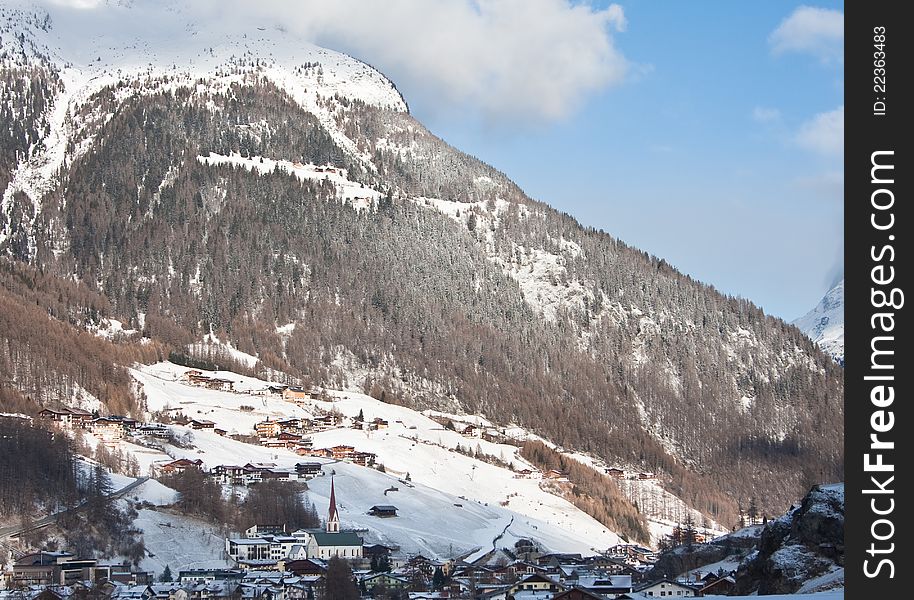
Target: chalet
point(275, 474)
point(231, 474)
point(308, 469)
point(324, 422)
point(295, 394)
point(222, 385)
point(291, 424)
point(666, 588)
point(287, 437)
point(385, 580)
point(520, 568)
point(106, 428)
point(66, 416)
point(499, 556)
point(632, 554)
point(154, 429)
point(365, 459)
point(577, 593)
point(221, 432)
point(471, 431)
point(341, 451)
point(646, 476)
point(554, 474)
point(201, 424)
point(379, 423)
point(376, 551)
point(557, 558)
point(723, 586)
point(181, 465)
point(536, 582)
point(609, 585)
point(614, 472)
point(383, 510)
point(307, 566)
point(195, 377)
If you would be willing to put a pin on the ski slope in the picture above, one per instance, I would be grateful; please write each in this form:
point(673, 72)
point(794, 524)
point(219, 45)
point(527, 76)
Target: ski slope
point(453, 503)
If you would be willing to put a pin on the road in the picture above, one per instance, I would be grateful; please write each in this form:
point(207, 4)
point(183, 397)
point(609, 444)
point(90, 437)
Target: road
point(10, 531)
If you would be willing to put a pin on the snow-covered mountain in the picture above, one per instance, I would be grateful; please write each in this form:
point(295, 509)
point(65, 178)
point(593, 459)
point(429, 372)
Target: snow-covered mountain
point(190, 176)
point(825, 323)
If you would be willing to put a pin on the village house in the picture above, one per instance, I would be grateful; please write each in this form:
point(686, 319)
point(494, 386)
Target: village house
point(65, 416)
point(201, 424)
point(719, 586)
point(383, 510)
point(308, 469)
point(666, 588)
point(580, 594)
point(388, 581)
point(268, 429)
point(471, 431)
point(181, 465)
point(108, 429)
point(295, 394)
point(230, 474)
point(365, 459)
point(614, 472)
point(156, 430)
point(341, 451)
point(536, 582)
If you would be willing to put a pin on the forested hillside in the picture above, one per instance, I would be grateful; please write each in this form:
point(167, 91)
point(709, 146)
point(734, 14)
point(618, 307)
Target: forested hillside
point(442, 285)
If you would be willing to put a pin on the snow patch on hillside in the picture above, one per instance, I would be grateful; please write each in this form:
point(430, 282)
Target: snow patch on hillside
point(359, 196)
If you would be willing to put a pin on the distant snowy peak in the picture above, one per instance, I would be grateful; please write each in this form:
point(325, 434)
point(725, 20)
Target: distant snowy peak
point(825, 323)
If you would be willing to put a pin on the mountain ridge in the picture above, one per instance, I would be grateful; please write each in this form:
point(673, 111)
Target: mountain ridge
point(439, 284)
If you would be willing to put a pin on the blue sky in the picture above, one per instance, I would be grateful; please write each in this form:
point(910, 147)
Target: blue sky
point(697, 155)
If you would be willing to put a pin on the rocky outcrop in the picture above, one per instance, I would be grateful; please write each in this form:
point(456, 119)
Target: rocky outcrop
point(731, 547)
point(806, 543)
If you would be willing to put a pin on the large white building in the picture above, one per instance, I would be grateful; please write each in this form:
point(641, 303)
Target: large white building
point(258, 550)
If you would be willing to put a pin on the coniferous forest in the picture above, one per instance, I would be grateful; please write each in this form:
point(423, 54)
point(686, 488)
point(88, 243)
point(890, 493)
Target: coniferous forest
point(640, 364)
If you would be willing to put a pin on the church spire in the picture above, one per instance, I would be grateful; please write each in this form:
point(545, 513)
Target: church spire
point(333, 519)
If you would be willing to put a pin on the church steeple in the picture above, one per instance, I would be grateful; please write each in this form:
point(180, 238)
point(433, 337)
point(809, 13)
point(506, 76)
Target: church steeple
point(333, 519)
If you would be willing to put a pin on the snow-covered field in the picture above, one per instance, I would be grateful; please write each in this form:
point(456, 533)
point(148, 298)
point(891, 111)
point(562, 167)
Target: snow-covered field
point(453, 502)
point(179, 542)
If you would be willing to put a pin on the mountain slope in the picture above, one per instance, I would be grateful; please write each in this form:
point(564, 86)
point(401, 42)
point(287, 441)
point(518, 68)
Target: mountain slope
point(188, 184)
point(825, 323)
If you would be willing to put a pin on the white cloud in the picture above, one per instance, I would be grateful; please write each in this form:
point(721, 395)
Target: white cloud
point(763, 114)
point(824, 133)
point(816, 31)
point(528, 59)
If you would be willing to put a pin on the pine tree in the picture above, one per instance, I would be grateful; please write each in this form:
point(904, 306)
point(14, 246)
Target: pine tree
point(339, 584)
point(438, 579)
point(166, 575)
